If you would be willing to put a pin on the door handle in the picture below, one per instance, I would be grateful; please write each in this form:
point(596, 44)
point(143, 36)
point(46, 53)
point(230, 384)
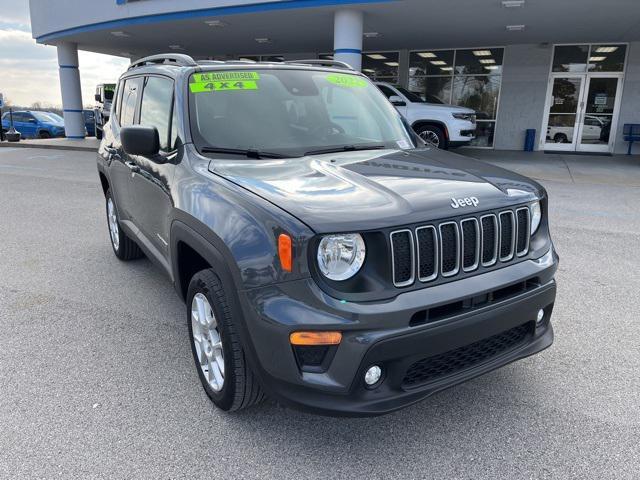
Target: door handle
point(132, 166)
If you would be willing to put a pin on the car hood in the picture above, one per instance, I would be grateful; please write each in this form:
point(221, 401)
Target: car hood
point(374, 189)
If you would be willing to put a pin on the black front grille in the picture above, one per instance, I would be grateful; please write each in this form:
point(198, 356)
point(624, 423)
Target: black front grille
point(463, 358)
point(402, 245)
point(459, 246)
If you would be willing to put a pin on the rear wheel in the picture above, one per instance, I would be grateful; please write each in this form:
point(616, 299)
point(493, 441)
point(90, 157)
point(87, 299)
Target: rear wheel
point(433, 135)
point(560, 138)
point(219, 357)
point(124, 248)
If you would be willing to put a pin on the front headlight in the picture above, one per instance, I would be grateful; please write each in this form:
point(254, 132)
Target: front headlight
point(341, 256)
point(465, 116)
point(536, 216)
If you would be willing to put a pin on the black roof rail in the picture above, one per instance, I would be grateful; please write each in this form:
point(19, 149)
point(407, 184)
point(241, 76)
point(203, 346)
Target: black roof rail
point(177, 59)
point(325, 63)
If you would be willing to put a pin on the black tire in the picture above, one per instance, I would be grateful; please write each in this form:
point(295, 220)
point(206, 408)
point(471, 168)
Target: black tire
point(240, 388)
point(426, 131)
point(560, 138)
point(45, 134)
point(126, 249)
point(98, 133)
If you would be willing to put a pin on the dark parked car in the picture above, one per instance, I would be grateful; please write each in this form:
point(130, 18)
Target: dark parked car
point(102, 110)
point(35, 124)
point(328, 257)
point(89, 122)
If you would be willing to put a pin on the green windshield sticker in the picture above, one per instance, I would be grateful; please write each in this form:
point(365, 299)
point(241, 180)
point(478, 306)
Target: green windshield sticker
point(199, 87)
point(350, 81)
point(224, 76)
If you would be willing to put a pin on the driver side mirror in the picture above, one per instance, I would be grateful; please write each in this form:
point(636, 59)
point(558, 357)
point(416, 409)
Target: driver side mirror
point(140, 140)
point(397, 101)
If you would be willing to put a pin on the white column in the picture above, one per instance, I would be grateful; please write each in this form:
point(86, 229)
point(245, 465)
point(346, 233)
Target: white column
point(70, 89)
point(347, 37)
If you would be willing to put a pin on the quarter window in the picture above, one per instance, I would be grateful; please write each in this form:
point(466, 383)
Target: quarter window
point(155, 109)
point(132, 87)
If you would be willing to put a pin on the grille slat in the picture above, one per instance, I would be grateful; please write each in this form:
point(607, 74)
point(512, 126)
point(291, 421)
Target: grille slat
point(463, 358)
point(427, 253)
point(523, 232)
point(402, 257)
point(451, 247)
point(507, 235)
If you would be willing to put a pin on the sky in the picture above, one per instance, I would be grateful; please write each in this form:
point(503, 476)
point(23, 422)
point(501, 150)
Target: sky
point(29, 72)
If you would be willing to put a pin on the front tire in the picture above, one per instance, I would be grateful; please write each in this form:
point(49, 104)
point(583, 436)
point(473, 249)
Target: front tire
point(124, 248)
point(433, 135)
point(217, 350)
point(44, 134)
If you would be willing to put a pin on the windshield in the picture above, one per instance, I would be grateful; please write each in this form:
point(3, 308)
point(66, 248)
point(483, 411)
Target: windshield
point(292, 112)
point(47, 117)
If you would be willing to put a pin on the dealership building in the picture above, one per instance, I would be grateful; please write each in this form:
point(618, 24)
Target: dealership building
point(569, 69)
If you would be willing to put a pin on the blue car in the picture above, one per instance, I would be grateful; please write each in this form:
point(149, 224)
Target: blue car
point(89, 122)
point(34, 124)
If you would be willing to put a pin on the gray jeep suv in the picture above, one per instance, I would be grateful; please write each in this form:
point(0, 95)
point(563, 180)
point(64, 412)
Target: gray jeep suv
point(328, 258)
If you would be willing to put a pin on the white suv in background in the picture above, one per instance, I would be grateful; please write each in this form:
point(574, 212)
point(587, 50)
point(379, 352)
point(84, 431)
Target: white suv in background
point(440, 124)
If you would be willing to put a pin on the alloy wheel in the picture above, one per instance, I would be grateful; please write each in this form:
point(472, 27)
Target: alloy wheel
point(114, 230)
point(431, 137)
point(207, 341)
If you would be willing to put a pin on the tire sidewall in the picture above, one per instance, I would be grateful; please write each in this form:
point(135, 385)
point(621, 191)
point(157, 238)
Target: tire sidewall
point(225, 397)
point(118, 252)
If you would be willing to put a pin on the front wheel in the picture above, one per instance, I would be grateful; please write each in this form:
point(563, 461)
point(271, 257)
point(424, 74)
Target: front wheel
point(433, 135)
point(219, 357)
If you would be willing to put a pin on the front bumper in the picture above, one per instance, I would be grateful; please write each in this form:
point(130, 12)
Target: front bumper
point(461, 131)
point(380, 334)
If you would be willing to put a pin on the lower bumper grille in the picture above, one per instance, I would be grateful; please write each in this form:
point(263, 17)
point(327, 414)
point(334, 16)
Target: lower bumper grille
point(463, 358)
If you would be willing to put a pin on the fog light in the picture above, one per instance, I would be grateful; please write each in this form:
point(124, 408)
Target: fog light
point(373, 375)
point(540, 317)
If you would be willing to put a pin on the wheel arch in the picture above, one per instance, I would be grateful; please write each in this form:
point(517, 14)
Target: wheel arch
point(104, 182)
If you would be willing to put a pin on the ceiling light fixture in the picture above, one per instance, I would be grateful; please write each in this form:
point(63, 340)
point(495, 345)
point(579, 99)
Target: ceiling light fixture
point(368, 70)
point(446, 69)
point(371, 34)
point(216, 23)
point(176, 47)
point(596, 59)
point(487, 60)
point(427, 55)
point(491, 67)
point(512, 3)
point(515, 28)
point(376, 56)
point(120, 33)
point(606, 49)
point(392, 64)
point(263, 40)
point(437, 62)
point(482, 53)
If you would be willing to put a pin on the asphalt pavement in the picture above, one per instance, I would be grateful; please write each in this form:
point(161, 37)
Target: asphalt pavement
point(97, 379)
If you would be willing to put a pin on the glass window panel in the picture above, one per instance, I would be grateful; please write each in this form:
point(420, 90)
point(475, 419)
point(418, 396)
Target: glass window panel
point(155, 109)
point(570, 58)
point(565, 95)
point(479, 93)
point(607, 58)
point(484, 134)
point(272, 58)
point(596, 129)
point(560, 128)
point(435, 62)
point(132, 88)
point(254, 58)
point(479, 61)
point(382, 66)
point(432, 89)
point(602, 95)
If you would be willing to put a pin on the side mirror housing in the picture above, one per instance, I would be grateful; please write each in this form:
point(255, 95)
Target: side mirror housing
point(140, 140)
point(397, 101)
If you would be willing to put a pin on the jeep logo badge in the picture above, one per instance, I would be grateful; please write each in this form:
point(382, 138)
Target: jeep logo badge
point(464, 202)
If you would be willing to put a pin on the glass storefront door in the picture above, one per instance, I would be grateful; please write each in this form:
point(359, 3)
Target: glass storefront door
point(599, 108)
point(564, 112)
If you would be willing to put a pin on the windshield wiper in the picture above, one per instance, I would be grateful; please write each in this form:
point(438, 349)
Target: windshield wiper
point(345, 148)
point(249, 153)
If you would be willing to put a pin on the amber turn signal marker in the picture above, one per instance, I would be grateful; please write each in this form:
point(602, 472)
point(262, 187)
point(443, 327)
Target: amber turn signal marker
point(315, 338)
point(285, 252)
